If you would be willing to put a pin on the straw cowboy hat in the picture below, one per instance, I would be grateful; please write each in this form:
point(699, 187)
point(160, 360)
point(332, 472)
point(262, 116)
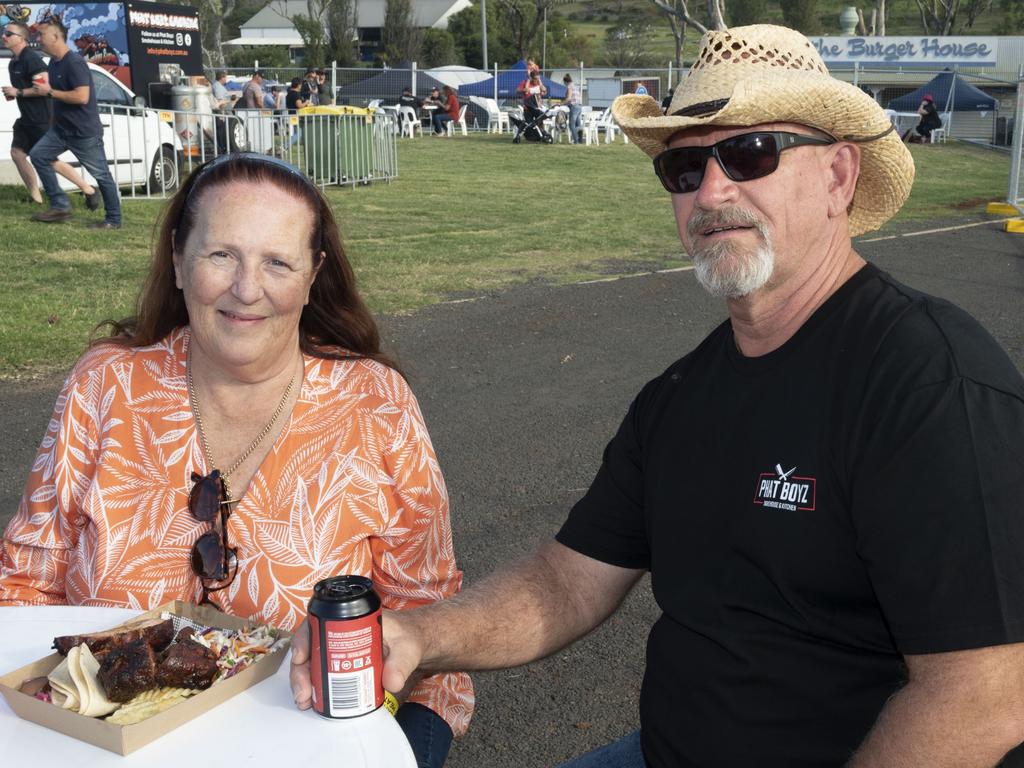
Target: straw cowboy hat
point(766, 74)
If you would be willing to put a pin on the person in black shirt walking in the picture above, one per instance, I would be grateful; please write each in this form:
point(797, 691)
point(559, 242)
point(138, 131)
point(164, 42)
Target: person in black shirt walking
point(25, 66)
point(826, 491)
point(76, 127)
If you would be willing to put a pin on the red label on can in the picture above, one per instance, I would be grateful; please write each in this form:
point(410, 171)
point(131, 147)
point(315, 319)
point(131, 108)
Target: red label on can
point(346, 662)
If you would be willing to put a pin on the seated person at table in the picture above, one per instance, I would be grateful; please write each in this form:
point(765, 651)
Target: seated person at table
point(930, 120)
point(242, 437)
point(408, 99)
point(449, 110)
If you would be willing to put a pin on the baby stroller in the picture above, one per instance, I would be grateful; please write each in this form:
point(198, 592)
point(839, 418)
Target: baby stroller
point(531, 126)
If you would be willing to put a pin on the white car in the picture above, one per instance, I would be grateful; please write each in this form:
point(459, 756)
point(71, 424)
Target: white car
point(140, 143)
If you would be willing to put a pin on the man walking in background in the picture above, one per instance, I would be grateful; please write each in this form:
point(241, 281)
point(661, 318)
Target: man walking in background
point(25, 67)
point(76, 127)
point(252, 94)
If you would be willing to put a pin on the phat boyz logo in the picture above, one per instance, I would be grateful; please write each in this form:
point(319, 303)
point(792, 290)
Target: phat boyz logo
point(785, 490)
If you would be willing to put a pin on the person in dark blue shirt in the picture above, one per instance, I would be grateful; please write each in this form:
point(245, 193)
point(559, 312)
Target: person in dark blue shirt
point(76, 127)
point(26, 66)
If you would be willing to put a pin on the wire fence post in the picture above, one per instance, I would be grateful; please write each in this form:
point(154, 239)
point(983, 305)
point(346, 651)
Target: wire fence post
point(1013, 190)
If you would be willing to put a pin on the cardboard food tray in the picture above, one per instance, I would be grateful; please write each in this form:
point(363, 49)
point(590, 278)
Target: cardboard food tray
point(124, 739)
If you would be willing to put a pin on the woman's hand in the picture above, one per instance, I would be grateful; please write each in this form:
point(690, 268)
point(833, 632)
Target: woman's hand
point(302, 687)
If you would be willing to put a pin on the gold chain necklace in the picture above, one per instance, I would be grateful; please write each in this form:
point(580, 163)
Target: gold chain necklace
point(194, 404)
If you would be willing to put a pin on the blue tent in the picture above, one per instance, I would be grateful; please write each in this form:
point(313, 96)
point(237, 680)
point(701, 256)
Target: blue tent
point(508, 81)
point(951, 93)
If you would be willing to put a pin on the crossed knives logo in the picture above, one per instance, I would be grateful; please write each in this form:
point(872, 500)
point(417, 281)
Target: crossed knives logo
point(784, 489)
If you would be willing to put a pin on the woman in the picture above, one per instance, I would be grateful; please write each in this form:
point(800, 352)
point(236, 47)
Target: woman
point(242, 437)
point(572, 100)
point(449, 110)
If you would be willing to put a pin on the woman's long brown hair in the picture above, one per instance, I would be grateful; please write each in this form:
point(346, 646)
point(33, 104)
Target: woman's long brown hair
point(335, 324)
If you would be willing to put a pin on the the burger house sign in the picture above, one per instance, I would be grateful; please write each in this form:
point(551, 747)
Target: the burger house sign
point(908, 51)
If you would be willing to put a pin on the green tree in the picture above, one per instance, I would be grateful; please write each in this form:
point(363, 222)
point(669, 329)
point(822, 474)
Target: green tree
point(742, 12)
point(342, 33)
point(801, 15)
point(401, 39)
point(628, 45)
point(1013, 17)
point(269, 56)
point(465, 30)
point(438, 49)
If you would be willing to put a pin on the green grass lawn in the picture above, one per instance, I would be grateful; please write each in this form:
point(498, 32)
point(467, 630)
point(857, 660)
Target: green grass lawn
point(466, 216)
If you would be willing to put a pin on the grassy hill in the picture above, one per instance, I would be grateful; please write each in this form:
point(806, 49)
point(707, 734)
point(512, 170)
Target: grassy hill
point(593, 19)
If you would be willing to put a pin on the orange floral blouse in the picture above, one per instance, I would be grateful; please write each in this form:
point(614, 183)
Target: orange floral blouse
point(352, 485)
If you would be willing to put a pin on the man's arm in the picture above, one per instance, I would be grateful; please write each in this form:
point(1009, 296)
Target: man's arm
point(960, 709)
point(521, 613)
point(79, 95)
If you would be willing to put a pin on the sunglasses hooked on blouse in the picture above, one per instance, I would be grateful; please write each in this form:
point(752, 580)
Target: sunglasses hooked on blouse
point(213, 561)
point(745, 157)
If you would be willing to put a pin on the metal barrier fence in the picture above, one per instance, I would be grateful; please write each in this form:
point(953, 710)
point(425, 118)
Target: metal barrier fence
point(150, 150)
point(598, 87)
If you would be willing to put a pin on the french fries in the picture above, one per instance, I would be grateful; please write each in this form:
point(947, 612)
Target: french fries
point(149, 703)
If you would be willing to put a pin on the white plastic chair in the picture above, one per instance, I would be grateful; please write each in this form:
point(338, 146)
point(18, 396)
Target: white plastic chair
point(497, 121)
point(461, 121)
point(938, 135)
point(591, 121)
point(409, 122)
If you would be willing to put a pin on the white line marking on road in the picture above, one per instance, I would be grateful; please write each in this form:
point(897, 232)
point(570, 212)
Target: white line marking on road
point(635, 274)
point(934, 231)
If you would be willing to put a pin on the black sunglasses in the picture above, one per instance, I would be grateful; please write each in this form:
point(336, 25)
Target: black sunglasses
point(213, 561)
point(743, 158)
point(9, 33)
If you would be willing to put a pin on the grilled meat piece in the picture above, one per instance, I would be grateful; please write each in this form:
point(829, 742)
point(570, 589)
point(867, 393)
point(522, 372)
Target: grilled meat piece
point(157, 633)
point(127, 670)
point(187, 664)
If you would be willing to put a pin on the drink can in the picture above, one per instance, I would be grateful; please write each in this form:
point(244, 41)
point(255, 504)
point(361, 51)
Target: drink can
point(346, 651)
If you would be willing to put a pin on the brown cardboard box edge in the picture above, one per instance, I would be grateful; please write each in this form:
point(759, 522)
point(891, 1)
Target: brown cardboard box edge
point(124, 739)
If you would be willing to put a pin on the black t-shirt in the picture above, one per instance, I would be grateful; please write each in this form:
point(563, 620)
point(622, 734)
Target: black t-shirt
point(34, 110)
point(809, 517)
point(81, 120)
point(292, 98)
point(408, 100)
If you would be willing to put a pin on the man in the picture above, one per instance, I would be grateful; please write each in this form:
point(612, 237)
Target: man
point(76, 127)
point(252, 93)
point(293, 103)
point(408, 99)
point(310, 88)
point(221, 97)
point(324, 95)
point(826, 491)
point(25, 66)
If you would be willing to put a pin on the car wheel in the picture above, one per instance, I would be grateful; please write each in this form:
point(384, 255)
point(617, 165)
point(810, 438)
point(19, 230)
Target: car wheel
point(237, 139)
point(164, 175)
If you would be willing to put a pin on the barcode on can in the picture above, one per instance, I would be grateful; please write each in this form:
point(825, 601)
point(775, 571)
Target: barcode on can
point(351, 694)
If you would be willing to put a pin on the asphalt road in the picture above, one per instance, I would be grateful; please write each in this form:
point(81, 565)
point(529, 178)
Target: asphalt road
point(521, 391)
